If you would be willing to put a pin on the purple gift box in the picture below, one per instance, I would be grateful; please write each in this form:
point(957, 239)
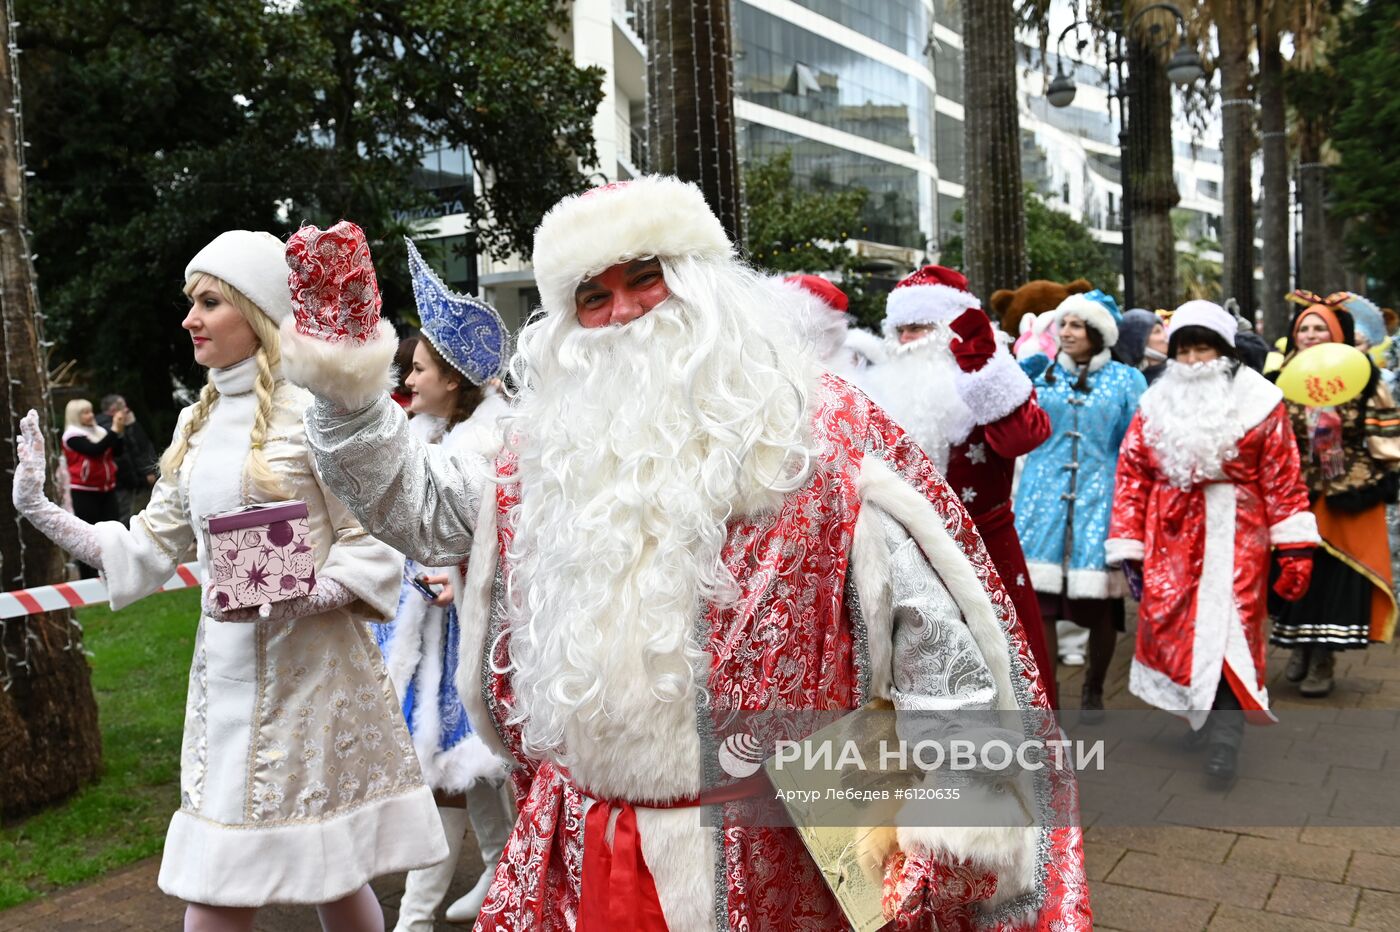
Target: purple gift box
point(260, 554)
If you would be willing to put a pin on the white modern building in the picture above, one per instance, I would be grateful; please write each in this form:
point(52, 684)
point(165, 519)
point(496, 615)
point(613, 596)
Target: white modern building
point(861, 94)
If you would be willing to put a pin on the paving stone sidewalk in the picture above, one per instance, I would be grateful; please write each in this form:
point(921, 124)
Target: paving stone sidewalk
point(1269, 879)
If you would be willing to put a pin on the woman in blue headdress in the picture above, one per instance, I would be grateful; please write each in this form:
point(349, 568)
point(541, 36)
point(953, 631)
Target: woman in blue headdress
point(459, 354)
point(1065, 496)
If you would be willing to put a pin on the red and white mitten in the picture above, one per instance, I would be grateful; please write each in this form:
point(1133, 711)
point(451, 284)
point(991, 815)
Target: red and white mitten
point(335, 343)
point(991, 383)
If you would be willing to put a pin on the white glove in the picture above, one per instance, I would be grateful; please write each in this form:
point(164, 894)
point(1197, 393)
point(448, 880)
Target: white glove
point(328, 595)
point(68, 531)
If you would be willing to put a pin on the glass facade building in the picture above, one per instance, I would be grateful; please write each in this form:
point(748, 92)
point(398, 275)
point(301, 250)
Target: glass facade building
point(847, 88)
point(865, 95)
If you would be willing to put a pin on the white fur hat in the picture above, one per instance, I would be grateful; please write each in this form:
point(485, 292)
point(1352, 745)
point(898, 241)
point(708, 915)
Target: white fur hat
point(1206, 314)
point(254, 263)
point(930, 295)
point(654, 215)
point(1093, 313)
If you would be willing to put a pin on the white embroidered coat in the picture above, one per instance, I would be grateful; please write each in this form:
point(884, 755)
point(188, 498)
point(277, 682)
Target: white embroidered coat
point(297, 780)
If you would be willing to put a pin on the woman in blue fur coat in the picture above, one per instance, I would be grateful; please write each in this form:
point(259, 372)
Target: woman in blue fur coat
point(1065, 496)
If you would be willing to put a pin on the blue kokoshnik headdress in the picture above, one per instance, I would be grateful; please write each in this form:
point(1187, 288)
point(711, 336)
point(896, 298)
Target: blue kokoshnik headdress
point(468, 333)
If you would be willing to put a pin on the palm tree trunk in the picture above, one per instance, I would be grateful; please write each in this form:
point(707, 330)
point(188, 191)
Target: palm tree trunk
point(1274, 205)
point(1153, 191)
point(995, 218)
point(690, 101)
point(1237, 135)
point(49, 741)
point(1312, 197)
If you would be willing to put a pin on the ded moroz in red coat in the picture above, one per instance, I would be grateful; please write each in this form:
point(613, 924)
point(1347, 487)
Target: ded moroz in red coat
point(981, 469)
point(1205, 554)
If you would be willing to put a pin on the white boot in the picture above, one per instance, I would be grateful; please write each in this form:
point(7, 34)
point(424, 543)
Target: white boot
point(492, 821)
point(424, 889)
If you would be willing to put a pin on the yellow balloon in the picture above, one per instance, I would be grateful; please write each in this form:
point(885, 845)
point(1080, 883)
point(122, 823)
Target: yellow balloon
point(1325, 375)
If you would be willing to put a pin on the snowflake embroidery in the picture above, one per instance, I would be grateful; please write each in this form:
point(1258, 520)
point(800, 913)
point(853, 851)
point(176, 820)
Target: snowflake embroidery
point(372, 735)
point(340, 702)
point(378, 778)
point(348, 785)
point(270, 799)
point(976, 454)
point(968, 494)
point(344, 744)
point(313, 799)
point(1021, 580)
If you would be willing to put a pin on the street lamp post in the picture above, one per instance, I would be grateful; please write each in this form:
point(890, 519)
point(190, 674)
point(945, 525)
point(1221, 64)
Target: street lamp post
point(1183, 68)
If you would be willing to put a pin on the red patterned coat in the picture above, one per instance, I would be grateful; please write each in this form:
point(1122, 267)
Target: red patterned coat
point(1205, 555)
point(805, 633)
point(981, 470)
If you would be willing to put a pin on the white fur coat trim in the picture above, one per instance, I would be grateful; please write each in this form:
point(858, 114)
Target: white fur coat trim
point(1118, 549)
point(1297, 528)
point(995, 390)
point(654, 215)
point(1083, 584)
point(877, 484)
point(925, 304)
point(870, 574)
point(474, 623)
point(1255, 396)
point(1010, 851)
point(349, 374)
point(1096, 362)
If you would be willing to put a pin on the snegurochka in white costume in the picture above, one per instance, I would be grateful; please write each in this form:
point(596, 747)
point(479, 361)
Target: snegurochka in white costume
point(297, 780)
point(460, 352)
point(687, 518)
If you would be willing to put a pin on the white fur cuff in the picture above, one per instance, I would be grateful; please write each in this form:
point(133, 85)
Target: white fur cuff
point(349, 374)
point(1118, 549)
point(1008, 851)
point(1298, 528)
point(995, 390)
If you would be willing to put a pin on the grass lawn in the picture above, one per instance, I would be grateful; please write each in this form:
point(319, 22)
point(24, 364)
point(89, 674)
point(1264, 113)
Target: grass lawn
point(140, 667)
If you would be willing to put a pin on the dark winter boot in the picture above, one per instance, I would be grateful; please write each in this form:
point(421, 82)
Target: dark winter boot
point(1318, 682)
point(1091, 704)
point(1222, 763)
point(1297, 665)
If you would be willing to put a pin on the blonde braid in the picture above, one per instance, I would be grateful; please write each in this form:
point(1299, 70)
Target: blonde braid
point(174, 455)
point(259, 473)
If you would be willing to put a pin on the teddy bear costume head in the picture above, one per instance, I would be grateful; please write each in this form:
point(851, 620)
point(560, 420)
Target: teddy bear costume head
point(1036, 297)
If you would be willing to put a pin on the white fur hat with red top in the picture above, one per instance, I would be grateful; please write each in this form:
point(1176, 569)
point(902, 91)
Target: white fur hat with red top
point(932, 295)
point(651, 216)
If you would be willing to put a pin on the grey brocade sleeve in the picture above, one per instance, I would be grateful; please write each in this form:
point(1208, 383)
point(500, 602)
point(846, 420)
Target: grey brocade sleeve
point(415, 497)
point(936, 663)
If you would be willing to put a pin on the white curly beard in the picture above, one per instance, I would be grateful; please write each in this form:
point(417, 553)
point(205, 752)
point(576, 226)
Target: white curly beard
point(637, 444)
point(1190, 419)
point(917, 387)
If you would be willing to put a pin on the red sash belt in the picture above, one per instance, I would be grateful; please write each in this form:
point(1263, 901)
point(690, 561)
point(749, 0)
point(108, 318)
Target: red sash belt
point(618, 891)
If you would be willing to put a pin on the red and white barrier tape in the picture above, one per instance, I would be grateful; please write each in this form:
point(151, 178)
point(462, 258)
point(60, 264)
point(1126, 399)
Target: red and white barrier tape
point(80, 593)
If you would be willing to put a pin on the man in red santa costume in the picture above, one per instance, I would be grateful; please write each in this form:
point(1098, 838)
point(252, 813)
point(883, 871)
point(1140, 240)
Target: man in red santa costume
point(687, 519)
point(1208, 489)
point(969, 405)
point(820, 315)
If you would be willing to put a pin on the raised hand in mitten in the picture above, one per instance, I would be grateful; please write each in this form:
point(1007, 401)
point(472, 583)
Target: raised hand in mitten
point(1295, 572)
point(335, 294)
point(976, 343)
point(67, 530)
point(328, 595)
